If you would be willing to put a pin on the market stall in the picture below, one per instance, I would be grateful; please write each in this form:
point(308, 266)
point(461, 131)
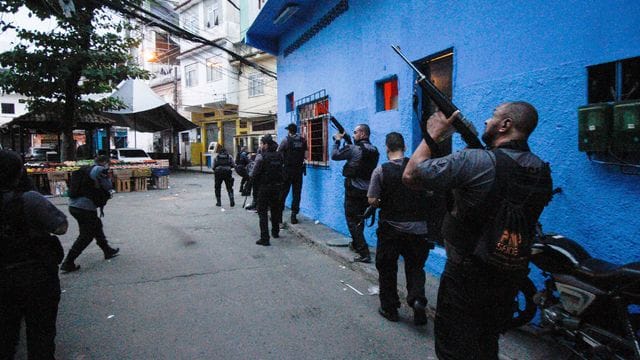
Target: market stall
point(53, 178)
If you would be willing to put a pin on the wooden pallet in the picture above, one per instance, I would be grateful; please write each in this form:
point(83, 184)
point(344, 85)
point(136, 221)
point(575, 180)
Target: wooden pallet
point(123, 184)
point(162, 182)
point(140, 184)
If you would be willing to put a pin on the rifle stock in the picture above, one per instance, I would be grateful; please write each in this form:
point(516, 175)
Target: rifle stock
point(340, 129)
point(463, 126)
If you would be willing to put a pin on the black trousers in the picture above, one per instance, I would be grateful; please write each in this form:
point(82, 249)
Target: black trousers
point(293, 180)
point(269, 201)
point(474, 303)
point(90, 228)
point(219, 178)
point(355, 205)
point(36, 301)
point(415, 250)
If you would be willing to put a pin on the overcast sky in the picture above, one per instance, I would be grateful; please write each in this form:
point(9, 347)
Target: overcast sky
point(21, 19)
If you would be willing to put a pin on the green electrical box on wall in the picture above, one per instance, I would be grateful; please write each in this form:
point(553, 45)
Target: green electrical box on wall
point(594, 127)
point(626, 126)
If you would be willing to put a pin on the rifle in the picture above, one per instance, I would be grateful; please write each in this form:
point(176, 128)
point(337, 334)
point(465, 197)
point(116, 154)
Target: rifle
point(341, 130)
point(463, 126)
point(369, 213)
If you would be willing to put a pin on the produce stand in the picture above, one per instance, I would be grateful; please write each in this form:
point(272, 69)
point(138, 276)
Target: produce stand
point(53, 178)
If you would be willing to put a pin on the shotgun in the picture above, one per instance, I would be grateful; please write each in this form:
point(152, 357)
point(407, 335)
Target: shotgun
point(463, 126)
point(341, 130)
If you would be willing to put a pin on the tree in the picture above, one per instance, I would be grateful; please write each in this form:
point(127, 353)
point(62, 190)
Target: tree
point(86, 53)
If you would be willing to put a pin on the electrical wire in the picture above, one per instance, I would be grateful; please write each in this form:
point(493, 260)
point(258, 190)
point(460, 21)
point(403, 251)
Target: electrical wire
point(175, 30)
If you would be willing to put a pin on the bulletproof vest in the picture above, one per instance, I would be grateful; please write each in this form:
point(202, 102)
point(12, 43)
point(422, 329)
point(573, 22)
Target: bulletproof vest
point(15, 246)
point(272, 168)
point(223, 159)
point(398, 202)
point(527, 189)
point(363, 167)
point(294, 158)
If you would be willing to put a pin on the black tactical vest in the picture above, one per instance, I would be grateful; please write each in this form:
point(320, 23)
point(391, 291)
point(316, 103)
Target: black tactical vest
point(294, 157)
point(272, 168)
point(398, 202)
point(528, 188)
point(223, 159)
point(362, 168)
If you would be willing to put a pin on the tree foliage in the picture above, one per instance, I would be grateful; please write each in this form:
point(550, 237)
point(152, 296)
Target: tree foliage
point(86, 53)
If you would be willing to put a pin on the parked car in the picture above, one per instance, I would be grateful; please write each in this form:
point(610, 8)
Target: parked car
point(130, 155)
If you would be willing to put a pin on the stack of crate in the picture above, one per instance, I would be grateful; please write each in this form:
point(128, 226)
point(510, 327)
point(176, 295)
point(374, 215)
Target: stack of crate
point(57, 182)
point(140, 177)
point(123, 179)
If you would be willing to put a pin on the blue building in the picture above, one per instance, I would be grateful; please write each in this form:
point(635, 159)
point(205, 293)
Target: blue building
point(335, 56)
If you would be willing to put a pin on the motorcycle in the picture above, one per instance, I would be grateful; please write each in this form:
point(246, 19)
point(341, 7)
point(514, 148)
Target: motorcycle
point(587, 304)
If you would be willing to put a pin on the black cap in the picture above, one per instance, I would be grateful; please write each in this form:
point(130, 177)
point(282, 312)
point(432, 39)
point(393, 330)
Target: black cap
point(292, 127)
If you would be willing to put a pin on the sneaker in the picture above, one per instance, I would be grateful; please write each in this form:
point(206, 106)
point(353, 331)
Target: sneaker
point(391, 315)
point(362, 259)
point(294, 219)
point(420, 313)
point(251, 207)
point(263, 242)
point(111, 253)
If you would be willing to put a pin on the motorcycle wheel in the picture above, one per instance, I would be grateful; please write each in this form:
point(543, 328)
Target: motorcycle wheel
point(522, 314)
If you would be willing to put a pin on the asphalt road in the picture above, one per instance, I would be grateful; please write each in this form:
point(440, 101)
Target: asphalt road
point(190, 283)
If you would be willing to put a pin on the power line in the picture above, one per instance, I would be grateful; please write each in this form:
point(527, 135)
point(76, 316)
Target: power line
point(234, 5)
point(175, 30)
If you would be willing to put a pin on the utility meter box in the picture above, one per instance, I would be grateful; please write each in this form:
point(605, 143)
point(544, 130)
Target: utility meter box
point(626, 126)
point(594, 127)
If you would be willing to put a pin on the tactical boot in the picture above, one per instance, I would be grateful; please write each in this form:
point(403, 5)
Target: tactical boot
point(218, 203)
point(389, 314)
point(68, 264)
point(263, 242)
point(232, 203)
point(419, 313)
point(294, 219)
point(110, 252)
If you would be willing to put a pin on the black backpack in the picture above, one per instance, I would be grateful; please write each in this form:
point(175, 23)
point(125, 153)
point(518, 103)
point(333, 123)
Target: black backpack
point(517, 199)
point(81, 185)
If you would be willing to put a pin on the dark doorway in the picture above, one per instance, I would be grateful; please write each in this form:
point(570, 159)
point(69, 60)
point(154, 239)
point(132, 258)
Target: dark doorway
point(439, 69)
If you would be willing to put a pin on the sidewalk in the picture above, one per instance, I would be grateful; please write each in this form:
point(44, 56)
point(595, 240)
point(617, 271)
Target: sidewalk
point(520, 343)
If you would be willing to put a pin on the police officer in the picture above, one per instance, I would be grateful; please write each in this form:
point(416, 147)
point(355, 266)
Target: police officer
point(293, 147)
point(268, 172)
point(362, 158)
point(475, 296)
point(402, 230)
point(29, 258)
point(242, 161)
point(85, 210)
point(222, 172)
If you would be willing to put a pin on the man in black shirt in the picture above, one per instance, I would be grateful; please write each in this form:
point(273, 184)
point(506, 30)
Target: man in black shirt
point(402, 231)
point(268, 173)
point(362, 158)
point(293, 147)
point(475, 297)
point(29, 258)
point(222, 172)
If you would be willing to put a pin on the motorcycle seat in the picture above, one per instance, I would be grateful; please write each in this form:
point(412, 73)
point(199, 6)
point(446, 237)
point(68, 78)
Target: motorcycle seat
point(609, 275)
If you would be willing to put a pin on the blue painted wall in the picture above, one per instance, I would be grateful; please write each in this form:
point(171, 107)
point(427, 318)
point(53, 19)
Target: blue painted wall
point(503, 50)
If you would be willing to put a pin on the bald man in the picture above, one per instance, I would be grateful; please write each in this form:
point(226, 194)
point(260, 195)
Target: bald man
point(476, 293)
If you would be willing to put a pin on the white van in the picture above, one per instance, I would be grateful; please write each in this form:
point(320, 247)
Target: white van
point(130, 155)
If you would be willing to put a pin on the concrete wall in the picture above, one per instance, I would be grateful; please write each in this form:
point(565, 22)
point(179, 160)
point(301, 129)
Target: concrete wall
point(503, 50)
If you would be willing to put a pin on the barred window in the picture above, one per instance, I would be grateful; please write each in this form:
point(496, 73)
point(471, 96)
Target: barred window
point(256, 84)
point(314, 122)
